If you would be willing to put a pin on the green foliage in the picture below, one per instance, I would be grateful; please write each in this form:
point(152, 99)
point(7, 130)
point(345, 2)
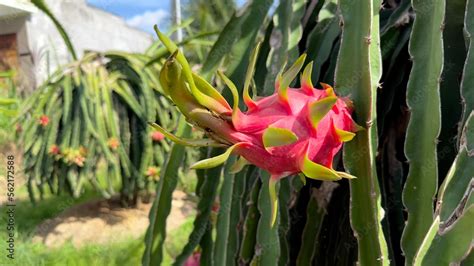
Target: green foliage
point(223, 248)
point(252, 217)
point(321, 39)
point(424, 101)
point(8, 105)
point(454, 53)
point(206, 190)
point(205, 16)
point(267, 244)
point(156, 233)
point(208, 15)
point(315, 212)
point(467, 83)
point(450, 234)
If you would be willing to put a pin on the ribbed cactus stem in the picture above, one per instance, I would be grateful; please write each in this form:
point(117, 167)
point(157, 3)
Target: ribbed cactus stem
point(358, 72)
point(426, 49)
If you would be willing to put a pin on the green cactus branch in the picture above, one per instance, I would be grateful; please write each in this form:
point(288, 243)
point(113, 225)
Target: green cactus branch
point(316, 211)
point(156, 233)
point(444, 246)
point(458, 183)
point(467, 83)
point(267, 247)
point(248, 241)
point(358, 72)
point(426, 49)
point(40, 4)
point(450, 236)
point(321, 39)
point(202, 224)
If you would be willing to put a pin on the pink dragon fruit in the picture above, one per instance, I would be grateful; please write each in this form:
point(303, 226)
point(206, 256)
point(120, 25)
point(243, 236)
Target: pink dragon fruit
point(290, 132)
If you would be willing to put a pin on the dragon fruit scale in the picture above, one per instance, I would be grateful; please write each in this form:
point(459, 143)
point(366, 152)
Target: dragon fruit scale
point(293, 131)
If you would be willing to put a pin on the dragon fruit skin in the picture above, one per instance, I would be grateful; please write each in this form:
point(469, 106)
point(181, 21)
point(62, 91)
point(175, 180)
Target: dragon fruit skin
point(295, 130)
point(320, 143)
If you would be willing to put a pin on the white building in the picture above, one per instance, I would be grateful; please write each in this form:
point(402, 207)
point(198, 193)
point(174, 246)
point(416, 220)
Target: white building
point(30, 42)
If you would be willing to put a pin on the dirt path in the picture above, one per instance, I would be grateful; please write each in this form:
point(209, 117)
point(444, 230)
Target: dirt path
point(103, 221)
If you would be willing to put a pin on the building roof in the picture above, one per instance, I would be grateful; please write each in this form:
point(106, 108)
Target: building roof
point(10, 8)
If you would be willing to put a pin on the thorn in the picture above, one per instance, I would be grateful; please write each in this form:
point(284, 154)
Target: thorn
point(306, 84)
point(318, 109)
point(329, 90)
point(368, 39)
point(369, 123)
point(248, 78)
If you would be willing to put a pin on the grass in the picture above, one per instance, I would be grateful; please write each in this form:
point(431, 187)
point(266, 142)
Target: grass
point(177, 238)
point(123, 253)
point(7, 91)
point(127, 252)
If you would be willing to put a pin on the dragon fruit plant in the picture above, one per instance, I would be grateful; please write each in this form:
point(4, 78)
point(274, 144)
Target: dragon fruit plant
point(94, 112)
point(411, 203)
point(293, 131)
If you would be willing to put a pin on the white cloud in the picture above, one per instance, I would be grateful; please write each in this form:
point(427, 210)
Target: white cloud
point(146, 20)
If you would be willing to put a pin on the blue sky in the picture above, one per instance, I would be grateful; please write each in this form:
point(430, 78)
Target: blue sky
point(142, 14)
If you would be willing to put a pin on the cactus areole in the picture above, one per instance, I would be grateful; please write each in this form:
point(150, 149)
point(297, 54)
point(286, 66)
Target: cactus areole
point(295, 130)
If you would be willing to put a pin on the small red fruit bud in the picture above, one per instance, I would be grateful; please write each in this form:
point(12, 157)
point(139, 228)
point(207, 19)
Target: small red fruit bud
point(79, 160)
point(54, 150)
point(44, 120)
point(113, 143)
point(157, 136)
point(153, 172)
